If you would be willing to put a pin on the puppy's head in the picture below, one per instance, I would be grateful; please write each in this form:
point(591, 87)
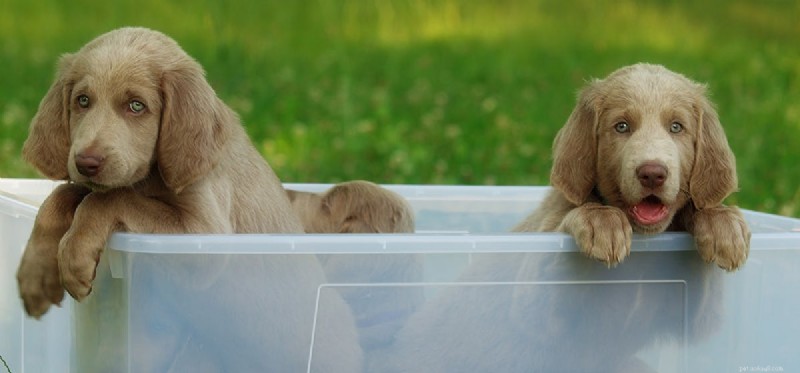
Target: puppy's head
point(128, 104)
point(646, 140)
point(353, 207)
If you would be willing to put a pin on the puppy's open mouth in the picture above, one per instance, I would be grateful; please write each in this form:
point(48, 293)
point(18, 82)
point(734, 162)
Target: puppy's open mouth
point(649, 211)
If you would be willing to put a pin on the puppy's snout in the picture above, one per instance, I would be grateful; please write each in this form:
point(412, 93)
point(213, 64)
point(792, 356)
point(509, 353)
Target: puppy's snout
point(651, 174)
point(88, 163)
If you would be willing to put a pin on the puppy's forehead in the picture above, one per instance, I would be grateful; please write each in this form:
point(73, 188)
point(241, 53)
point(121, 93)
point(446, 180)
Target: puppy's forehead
point(650, 88)
point(114, 67)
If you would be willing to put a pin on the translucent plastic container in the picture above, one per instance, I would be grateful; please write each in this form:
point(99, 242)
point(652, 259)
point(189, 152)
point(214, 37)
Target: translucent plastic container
point(27, 345)
point(460, 295)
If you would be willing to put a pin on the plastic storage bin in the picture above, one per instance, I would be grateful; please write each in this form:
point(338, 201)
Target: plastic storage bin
point(458, 296)
point(26, 345)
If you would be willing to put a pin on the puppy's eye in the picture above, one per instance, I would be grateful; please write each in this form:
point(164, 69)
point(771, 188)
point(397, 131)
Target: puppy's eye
point(675, 127)
point(136, 106)
point(622, 127)
point(83, 101)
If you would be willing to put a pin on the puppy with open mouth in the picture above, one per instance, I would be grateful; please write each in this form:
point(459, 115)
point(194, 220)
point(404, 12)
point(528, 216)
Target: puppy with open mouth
point(643, 151)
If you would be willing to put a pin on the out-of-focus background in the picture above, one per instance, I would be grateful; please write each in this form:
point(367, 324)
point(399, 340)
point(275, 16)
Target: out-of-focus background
point(437, 91)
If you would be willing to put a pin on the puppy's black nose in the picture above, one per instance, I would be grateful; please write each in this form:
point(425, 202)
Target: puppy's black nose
point(88, 164)
point(651, 174)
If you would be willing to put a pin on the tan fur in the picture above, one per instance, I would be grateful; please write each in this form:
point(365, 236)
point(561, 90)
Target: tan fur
point(184, 164)
point(594, 168)
point(353, 207)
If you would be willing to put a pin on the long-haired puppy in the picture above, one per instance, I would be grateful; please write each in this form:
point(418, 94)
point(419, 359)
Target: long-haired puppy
point(146, 146)
point(643, 151)
point(353, 207)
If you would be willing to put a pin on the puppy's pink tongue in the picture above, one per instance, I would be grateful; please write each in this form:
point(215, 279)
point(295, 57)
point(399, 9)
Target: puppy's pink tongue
point(647, 212)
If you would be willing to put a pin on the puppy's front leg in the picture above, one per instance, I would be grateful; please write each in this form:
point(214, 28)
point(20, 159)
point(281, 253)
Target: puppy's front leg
point(602, 232)
point(37, 276)
point(721, 235)
point(99, 215)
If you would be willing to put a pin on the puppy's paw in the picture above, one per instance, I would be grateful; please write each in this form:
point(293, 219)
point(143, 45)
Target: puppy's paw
point(38, 279)
point(77, 262)
point(602, 232)
point(722, 236)
point(38, 274)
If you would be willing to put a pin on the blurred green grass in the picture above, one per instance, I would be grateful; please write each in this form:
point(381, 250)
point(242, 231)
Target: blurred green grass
point(437, 91)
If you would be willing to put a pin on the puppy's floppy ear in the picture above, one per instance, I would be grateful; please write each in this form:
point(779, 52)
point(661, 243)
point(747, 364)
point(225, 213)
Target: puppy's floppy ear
point(195, 125)
point(714, 173)
point(48, 142)
point(574, 169)
point(364, 207)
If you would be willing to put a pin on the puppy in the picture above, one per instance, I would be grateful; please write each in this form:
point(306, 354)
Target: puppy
point(353, 207)
point(147, 147)
point(643, 152)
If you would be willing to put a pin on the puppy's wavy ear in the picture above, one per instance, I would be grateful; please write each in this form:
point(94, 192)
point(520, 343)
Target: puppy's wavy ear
point(195, 126)
point(48, 142)
point(363, 207)
point(574, 169)
point(714, 173)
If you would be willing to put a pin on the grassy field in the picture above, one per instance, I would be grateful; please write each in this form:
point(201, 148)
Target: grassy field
point(437, 92)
